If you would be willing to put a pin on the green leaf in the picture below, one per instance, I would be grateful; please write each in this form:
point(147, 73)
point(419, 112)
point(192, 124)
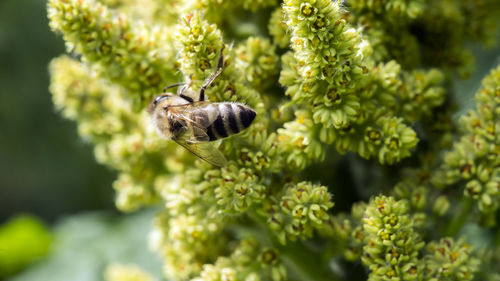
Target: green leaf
point(85, 244)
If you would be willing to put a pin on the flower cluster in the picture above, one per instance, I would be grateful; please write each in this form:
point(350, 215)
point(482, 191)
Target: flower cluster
point(389, 10)
point(133, 55)
point(449, 26)
point(412, 31)
point(122, 137)
point(346, 232)
point(249, 261)
point(475, 158)
point(357, 103)
point(258, 60)
point(217, 11)
point(188, 241)
point(300, 210)
point(278, 28)
point(391, 243)
point(450, 260)
point(324, 77)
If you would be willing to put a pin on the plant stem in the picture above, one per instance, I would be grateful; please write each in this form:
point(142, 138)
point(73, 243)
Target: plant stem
point(458, 220)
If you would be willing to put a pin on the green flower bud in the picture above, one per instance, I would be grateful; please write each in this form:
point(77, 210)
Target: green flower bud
point(237, 190)
point(258, 60)
point(441, 206)
point(301, 209)
point(278, 29)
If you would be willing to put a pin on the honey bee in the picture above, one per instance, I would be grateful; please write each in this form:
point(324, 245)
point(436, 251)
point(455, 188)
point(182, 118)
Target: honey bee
point(193, 122)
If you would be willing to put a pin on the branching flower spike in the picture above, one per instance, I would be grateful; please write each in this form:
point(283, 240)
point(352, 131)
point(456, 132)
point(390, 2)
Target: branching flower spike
point(327, 128)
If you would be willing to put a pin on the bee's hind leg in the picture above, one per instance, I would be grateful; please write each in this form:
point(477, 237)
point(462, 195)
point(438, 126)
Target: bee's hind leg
point(220, 67)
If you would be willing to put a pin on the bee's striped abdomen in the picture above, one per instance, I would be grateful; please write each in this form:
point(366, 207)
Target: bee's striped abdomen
point(232, 118)
point(246, 115)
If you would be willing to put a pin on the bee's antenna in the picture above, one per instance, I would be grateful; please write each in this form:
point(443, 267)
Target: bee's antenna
point(173, 86)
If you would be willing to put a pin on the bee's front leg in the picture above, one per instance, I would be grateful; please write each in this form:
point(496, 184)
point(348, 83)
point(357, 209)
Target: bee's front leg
point(183, 89)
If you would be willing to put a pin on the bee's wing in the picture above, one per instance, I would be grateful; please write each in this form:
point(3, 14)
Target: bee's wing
point(195, 124)
point(205, 151)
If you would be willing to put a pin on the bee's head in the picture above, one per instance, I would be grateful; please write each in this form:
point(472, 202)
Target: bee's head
point(156, 101)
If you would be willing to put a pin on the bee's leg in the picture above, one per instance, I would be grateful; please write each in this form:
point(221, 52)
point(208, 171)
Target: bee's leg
point(186, 86)
point(173, 85)
point(220, 67)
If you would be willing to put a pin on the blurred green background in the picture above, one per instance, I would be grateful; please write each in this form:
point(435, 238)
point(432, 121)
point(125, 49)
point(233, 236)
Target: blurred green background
point(45, 168)
point(47, 171)
point(57, 215)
